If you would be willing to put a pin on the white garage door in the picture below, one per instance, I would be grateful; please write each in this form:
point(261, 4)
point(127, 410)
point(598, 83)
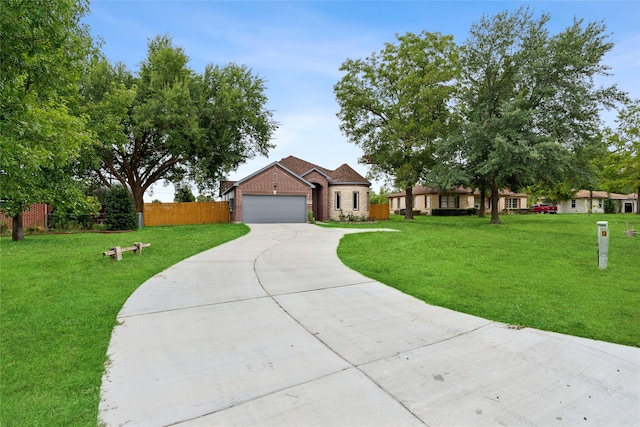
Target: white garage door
point(273, 209)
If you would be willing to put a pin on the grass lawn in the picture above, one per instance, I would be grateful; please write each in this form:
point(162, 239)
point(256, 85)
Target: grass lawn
point(59, 300)
point(538, 271)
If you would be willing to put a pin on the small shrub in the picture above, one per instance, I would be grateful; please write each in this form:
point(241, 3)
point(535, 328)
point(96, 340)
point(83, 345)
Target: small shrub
point(119, 210)
point(454, 212)
point(310, 217)
point(62, 220)
point(610, 206)
point(34, 229)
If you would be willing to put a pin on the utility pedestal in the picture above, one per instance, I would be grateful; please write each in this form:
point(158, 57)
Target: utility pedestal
point(603, 244)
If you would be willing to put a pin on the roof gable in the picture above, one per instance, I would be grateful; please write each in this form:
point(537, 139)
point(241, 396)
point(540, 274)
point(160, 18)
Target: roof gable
point(324, 174)
point(264, 169)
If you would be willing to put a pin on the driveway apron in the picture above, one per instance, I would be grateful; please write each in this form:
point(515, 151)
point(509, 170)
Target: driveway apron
point(272, 329)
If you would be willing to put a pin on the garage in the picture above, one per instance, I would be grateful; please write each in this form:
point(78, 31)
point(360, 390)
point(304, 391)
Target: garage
point(274, 209)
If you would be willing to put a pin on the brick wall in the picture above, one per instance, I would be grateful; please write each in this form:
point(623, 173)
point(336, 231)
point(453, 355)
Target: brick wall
point(35, 216)
point(273, 181)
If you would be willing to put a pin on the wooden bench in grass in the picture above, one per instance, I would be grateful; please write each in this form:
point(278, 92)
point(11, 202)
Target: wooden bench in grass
point(116, 252)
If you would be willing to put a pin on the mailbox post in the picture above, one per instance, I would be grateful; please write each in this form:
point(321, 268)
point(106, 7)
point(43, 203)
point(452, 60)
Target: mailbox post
point(603, 244)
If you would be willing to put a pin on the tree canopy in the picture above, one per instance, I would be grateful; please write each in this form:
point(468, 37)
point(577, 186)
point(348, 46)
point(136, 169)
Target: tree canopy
point(395, 105)
point(169, 123)
point(43, 52)
point(529, 102)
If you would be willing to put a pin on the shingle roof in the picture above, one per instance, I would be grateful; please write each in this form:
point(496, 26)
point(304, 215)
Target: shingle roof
point(419, 190)
point(585, 194)
point(299, 166)
point(224, 186)
point(344, 174)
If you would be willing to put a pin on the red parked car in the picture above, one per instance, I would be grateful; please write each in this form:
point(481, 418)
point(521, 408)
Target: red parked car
point(544, 209)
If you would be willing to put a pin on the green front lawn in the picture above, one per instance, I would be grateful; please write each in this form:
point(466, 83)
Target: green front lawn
point(538, 271)
point(59, 296)
point(59, 300)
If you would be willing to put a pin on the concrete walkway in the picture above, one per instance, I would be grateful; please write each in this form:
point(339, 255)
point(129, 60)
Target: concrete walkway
point(273, 330)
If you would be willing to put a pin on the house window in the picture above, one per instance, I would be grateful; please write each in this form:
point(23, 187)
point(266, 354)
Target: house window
point(599, 203)
point(356, 200)
point(512, 203)
point(338, 207)
point(448, 201)
point(573, 203)
point(426, 202)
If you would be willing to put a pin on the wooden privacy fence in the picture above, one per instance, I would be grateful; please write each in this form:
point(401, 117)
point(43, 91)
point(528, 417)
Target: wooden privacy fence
point(186, 213)
point(379, 212)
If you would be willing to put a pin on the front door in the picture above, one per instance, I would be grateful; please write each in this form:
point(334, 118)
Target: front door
point(317, 200)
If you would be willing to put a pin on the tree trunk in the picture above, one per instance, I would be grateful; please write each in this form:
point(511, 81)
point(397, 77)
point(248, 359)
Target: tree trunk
point(638, 201)
point(590, 202)
point(495, 201)
point(483, 195)
point(408, 212)
point(138, 198)
point(17, 230)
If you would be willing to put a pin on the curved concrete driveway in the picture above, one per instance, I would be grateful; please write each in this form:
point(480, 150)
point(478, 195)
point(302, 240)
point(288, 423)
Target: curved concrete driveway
point(272, 330)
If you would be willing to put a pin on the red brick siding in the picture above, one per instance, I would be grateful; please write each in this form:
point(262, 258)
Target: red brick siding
point(265, 183)
point(35, 216)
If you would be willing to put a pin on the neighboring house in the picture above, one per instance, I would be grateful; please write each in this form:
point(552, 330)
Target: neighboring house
point(425, 199)
point(35, 216)
point(287, 190)
point(580, 202)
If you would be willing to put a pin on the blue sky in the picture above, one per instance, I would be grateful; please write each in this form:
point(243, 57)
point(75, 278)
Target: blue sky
point(298, 47)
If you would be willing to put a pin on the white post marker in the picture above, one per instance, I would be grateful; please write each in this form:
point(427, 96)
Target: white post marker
point(603, 244)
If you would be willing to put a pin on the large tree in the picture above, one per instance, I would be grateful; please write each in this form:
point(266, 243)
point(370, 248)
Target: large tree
point(43, 48)
point(395, 105)
point(622, 164)
point(169, 123)
point(530, 102)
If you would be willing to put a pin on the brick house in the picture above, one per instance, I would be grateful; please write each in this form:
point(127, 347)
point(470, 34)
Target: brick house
point(425, 199)
point(35, 216)
point(285, 191)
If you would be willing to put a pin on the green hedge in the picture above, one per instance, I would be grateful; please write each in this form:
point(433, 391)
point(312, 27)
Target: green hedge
point(454, 212)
